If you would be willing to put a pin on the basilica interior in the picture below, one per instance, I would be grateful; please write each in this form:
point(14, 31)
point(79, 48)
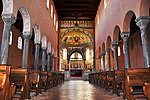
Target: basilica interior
point(75, 50)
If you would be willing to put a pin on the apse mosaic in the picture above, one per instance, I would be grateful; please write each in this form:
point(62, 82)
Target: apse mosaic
point(75, 38)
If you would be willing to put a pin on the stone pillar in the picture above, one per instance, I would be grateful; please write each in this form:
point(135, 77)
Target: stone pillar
point(52, 63)
point(8, 21)
point(108, 58)
point(43, 58)
point(27, 36)
point(48, 61)
point(115, 48)
point(100, 63)
point(36, 58)
point(125, 36)
point(143, 22)
point(103, 60)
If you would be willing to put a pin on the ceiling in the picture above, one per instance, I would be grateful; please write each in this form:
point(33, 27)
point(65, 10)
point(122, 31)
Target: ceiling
point(76, 9)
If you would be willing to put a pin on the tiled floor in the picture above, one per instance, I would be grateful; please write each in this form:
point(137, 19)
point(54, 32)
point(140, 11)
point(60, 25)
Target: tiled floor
point(76, 90)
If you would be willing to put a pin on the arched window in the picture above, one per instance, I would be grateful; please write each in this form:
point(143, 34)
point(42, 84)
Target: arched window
point(76, 56)
point(87, 54)
point(119, 52)
point(47, 4)
point(10, 38)
point(19, 43)
point(98, 19)
point(65, 54)
point(51, 11)
point(105, 4)
point(56, 25)
point(54, 19)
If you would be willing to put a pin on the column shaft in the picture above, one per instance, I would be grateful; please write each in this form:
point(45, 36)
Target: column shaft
point(43, 58)
point(115, 47)
point(125, 36)
point(36, 58)
point(48, 61)
point(143, 22)
point(25, 50)
point(108, 58)
point(8, 21)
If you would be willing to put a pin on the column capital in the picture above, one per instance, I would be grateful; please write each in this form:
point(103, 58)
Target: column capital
point(115, 44)
point(108, 50)
point(125, 36)
point(44, 48)
point(143, 21)
point(8, 18)
point(27, 35)
point(103, 54)
point(37, 44)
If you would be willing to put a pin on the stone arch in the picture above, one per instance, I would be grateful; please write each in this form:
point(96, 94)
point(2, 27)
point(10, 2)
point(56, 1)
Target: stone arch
point(37, 35)
point(49, 47)
point(127, 20)
point(7, 7)
point(26, 20)
point(103, 47)
point(44, 41)
point(76, 50)
point(116, 33)
point(108, 42)
point(144, 7)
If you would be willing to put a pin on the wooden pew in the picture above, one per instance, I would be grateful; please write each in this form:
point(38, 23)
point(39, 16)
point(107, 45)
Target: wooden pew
point(110, 75)
point(44, 80)
point(50, 80)
point(35, 81)
point(135, 79)
point(7, 89)
point(118, 84)
point(103, 79)
point(20, 78)
point(147, 90)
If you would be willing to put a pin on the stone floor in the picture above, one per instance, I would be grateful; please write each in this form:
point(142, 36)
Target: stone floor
point(76, 90)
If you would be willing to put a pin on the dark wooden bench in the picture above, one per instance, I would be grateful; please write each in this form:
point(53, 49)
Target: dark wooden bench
point(35, 81)
point(147, 90)
point(118, 84)
point(135, 79)
point(20, 78)
point(110, 75)
point(103, 79)
point(7, 89)
point(44, 80)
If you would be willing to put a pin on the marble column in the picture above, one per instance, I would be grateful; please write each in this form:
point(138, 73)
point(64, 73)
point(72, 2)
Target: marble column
point(27, 36)
point(43, 58)
point(48, 61)
point(103, 61)
point(143, 23)
point(100, 63)
point(125, 36)
point(8, 21)
point(108, 58)
point(52, 62)
point(115, 48)
point(36, 58)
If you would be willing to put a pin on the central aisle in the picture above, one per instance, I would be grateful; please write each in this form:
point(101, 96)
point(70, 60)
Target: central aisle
point(76, 90)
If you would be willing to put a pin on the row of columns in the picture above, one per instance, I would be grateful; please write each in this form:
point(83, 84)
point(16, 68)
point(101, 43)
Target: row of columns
point(8, 21)
point(142, 22)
